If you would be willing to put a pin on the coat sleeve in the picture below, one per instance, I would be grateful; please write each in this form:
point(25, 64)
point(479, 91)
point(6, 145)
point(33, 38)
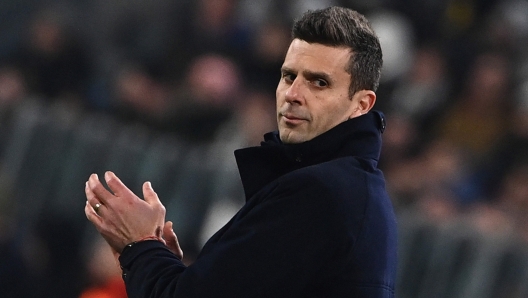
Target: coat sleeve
point(273, 248)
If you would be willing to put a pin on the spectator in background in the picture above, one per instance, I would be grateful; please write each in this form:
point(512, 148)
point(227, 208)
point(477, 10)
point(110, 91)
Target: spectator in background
point(437, 181)
point(211, 26)
point(207, 97)
point(504, 213)
point(12, 87)
point(269, 45)
point(13, 90)
point(512, 198)
point(481, 113)
point(139, 97)
point(423, 91)
point(398, 159)
point(53, 60)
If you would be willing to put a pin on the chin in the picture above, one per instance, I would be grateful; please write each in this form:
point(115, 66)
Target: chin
point(292, 138)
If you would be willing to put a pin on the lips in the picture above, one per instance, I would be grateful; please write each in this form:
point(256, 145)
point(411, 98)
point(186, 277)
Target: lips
point(292, 119)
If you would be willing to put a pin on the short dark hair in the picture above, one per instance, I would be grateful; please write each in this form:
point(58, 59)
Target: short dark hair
point(344, 27)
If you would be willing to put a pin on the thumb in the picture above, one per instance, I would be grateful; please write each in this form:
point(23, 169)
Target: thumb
point(172, 240)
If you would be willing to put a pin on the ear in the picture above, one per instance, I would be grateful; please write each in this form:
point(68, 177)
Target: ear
point(363, 101)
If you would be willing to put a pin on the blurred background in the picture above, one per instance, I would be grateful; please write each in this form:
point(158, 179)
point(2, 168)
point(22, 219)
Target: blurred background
point(165, 90)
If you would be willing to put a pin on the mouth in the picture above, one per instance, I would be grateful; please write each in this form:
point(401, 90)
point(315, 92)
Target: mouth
point(291, 119)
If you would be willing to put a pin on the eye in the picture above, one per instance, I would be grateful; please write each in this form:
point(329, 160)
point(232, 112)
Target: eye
point(288, 77)
point(320, 83)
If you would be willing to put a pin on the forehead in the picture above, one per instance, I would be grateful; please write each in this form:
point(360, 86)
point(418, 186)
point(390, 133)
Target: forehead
point(317, 57)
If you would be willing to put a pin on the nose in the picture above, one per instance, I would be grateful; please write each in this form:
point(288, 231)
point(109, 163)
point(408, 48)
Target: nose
point(294, 92)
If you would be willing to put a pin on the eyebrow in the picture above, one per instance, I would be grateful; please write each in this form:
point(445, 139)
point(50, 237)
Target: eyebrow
point(309, 74)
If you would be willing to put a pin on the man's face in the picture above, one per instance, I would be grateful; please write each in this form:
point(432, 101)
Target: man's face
point(313, 93)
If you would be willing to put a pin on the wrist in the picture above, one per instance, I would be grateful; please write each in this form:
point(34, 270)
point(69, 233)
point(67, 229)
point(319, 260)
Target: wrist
point(148, 238)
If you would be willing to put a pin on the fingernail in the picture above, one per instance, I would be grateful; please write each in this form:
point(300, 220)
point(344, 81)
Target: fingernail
point(107, 175)
point(149, 185)
point(90, 182)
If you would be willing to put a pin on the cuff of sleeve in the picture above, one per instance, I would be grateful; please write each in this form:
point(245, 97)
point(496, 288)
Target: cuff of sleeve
point(129, 255)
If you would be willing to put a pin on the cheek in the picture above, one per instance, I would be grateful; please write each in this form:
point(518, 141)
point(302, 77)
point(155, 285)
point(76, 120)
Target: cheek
point(279, 96)
point(331, 115)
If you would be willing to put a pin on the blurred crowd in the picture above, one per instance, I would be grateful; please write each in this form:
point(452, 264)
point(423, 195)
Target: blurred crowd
point(454, 89)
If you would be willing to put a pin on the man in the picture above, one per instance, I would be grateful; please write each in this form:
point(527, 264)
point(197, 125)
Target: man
point(317, 221)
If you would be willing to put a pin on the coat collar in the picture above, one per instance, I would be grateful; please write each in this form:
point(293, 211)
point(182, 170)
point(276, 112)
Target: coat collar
point(359, 137)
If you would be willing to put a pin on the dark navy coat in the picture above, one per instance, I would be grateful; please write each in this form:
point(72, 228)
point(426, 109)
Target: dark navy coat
point(317, 223)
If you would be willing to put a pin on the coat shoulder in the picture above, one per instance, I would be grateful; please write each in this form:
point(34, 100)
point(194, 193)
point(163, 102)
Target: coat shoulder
point(339, 178)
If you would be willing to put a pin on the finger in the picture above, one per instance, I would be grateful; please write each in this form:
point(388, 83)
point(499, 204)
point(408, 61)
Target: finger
point(168, 233)
point(172, 240)
point(149, 194)
point(151, 198)
point(92, 200)
point(116, 185)
point(99, 191)
point(92, 216)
